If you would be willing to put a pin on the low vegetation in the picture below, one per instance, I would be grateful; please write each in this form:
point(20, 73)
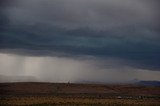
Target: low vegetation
point(47, 94)
point(48, 101)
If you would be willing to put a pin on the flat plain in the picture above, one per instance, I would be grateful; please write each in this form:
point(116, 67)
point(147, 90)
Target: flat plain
point(69, 94)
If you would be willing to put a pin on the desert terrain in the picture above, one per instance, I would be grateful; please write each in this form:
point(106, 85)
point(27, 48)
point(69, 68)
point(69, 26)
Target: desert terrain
point(69, 94)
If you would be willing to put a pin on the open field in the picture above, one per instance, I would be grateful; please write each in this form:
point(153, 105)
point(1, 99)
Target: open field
point(66, 94)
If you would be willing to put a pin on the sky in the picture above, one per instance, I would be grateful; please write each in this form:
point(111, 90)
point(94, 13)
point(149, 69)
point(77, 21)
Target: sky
point(109, 41)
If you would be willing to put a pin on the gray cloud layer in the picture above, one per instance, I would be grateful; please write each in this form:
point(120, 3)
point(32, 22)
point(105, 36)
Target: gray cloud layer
point(101, 14)
point(124, 30)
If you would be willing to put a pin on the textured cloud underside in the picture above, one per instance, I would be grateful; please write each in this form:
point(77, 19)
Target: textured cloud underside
point(116, 33)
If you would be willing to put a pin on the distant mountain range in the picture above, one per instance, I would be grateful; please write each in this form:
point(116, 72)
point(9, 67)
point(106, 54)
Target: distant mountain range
point(4, 78)
point(148, 83)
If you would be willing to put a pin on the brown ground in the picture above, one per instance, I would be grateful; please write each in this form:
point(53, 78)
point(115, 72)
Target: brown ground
point(36, 94)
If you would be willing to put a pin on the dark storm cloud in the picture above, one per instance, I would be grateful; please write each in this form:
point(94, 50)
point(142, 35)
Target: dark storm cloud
point(123, 29)
point(142, 51)
point(72, 14)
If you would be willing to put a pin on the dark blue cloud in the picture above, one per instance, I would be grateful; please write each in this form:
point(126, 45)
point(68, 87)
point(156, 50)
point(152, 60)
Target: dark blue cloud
point(137, 42)
point(143, 52)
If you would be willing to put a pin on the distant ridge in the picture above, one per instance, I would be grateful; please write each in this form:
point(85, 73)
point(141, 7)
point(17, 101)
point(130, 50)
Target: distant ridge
point(4, 78)
point(148, 83)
